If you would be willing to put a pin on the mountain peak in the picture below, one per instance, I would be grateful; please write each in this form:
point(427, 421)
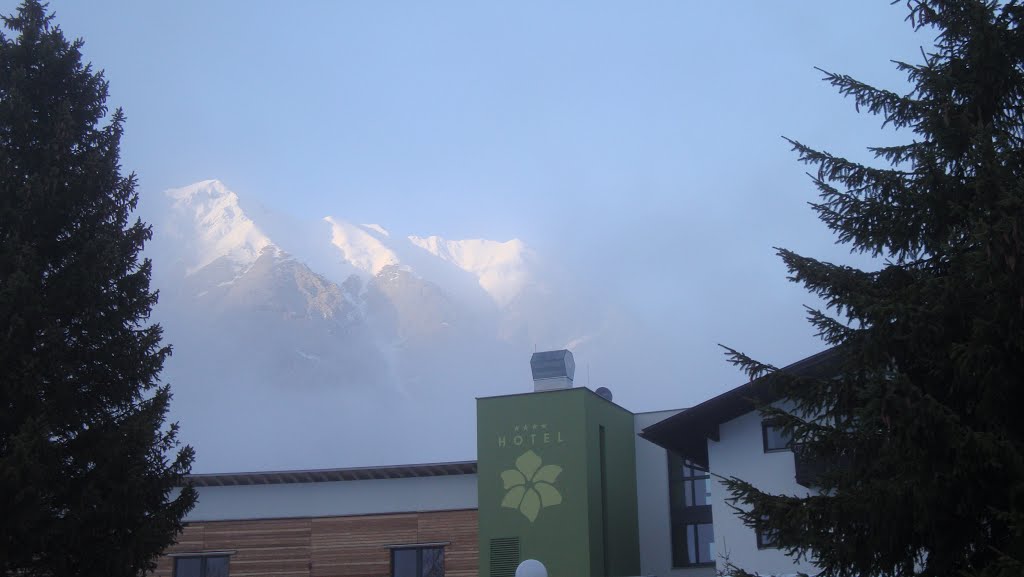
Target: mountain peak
point(210, 219)
point(361, 245)
point(498, 266)
point(377, 228)
point(199, 190)
point(209, 222)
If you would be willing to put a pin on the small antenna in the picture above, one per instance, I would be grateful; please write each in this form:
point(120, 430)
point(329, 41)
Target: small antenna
point(588, 374)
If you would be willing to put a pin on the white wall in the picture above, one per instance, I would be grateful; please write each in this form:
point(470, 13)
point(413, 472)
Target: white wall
point(335, 498)
point(740, 453)
point(653, 505)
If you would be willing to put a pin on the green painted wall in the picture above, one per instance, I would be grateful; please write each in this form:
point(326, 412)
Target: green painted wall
point(540, 480)
point(615, 512)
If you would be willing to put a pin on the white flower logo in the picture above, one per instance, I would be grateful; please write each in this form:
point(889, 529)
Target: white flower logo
point(530, 486)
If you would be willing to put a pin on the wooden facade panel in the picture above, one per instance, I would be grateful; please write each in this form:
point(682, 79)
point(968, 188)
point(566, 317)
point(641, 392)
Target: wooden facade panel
point(276, 559)
point(354, 546)
point(351, 555)
point(189, 539)
point(164, 567)
point(257, 534)
point(460, 560)
point(365, 569)
point(460, 529)
point(364, 530)
point(271, 553)
point(240, 565)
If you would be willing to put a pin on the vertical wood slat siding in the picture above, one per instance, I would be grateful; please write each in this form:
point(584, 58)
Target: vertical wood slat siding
point(330, 546)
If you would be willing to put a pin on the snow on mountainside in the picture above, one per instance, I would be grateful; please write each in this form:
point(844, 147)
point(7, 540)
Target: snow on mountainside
point(498, 266)
point(349, 305)
point(215, 226)
point(208, 221)
point(377, 228)
point(361, 245)
point(277, 320)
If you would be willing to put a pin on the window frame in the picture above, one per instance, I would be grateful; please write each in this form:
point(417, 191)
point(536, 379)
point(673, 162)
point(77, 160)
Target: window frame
point(765, 425)
point(687, 519)
point(763, 543)
point(418, 548)
point(202, 557)
point(690, 530)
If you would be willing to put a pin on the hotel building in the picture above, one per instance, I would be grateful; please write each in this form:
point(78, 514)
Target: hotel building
point(563, 475)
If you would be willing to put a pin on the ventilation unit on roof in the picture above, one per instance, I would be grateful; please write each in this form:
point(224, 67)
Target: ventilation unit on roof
point(552, 370)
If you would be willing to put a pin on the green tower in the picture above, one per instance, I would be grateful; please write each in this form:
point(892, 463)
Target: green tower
point(556, 478)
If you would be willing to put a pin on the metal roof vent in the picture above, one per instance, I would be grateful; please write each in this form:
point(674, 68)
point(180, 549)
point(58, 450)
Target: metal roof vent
point(552, 370)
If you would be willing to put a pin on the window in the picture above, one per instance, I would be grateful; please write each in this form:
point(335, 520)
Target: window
point(201, 566)
point(775, 439)
point(766, 539)
point(693, 537)
point(417, 562)
point(693, 545)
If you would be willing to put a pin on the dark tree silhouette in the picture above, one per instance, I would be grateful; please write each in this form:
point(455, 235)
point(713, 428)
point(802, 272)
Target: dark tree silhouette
point(920, 431)
point(88, 466)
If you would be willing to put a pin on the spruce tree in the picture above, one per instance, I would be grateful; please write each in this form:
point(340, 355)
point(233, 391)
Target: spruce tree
point(88, 466)
point(920, 430)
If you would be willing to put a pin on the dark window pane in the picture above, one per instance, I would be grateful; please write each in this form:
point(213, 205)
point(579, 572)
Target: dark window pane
point(679, 553)
point(188, 567)
point(690, 510)
point(697, 472)
point(216, 567)
point(774, 438)
point(433, 562)
point(691, 549)
point(675, 466)
point(766, 539)
point(403, 563)
point(705, 543)
point(693, 545)
point(676, 495)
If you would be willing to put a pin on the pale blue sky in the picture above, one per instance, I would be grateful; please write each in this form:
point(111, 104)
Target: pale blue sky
point(465, 117)
point(639, 141)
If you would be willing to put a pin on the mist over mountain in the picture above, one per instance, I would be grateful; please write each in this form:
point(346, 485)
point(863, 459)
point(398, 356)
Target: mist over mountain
point(321, 332)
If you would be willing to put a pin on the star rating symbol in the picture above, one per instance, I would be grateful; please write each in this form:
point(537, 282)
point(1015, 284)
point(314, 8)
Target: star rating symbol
point(529, 427)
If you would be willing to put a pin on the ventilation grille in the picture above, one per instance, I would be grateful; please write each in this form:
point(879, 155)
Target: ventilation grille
point(504, 556)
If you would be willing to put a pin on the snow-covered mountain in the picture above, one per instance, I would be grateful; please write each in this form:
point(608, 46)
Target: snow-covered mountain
point(335, 310)
point(207, 222)
point(362, 246)
point(210, 224)
point(499, 266)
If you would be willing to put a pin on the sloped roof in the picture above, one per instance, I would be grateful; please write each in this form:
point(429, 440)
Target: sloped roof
point(687, 432)
point(328, 475)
